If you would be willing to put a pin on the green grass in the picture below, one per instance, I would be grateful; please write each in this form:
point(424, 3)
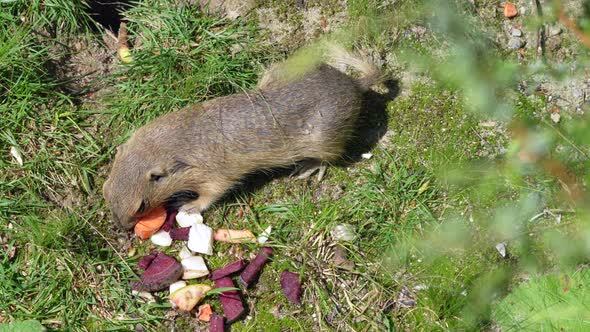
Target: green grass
point(51, 17)
point(548, 303)
point(441, 190)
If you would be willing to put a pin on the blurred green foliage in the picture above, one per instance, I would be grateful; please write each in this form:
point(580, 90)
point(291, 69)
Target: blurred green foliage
point(530, 200)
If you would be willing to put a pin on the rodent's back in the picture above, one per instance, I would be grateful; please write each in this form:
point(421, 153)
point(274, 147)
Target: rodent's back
point(309, 118)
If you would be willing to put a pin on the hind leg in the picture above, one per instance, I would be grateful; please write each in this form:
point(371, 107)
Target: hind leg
point(308, 167)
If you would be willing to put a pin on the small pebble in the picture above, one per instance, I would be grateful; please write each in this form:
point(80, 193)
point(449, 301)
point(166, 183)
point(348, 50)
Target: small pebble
point(17, 155)
point(145, 296)
point(515, 43)
point(501, 248)
point(554, 31)
point(420, 287)
point(516, 32)
point(343, 232)
point(577, 92)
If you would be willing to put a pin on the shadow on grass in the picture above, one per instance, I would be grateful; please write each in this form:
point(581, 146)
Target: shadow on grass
point(372, 124)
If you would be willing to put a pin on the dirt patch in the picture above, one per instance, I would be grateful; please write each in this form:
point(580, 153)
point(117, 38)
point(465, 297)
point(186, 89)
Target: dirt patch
point(291, 26)
point(79, 62)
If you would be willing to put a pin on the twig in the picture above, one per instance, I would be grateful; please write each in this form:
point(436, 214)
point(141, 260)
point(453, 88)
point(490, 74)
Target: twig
point(540, 31)
point(540, 215)
point(584, 153)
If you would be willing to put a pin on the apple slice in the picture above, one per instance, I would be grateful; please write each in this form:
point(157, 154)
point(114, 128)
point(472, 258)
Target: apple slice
point(194, 267)
point(189, 296)
point(186, 219)
point(263, 237)
point(200, 239)
point(177, 285)
point(161, 238)
point(184, 253)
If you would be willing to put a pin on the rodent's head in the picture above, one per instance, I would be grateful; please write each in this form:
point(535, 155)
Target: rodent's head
point(141, 180)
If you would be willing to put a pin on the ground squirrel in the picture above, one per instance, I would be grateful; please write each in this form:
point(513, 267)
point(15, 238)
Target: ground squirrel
point(198, 153)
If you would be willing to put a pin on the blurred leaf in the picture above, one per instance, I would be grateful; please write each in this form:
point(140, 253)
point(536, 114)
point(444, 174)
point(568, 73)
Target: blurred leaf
point(22, 326)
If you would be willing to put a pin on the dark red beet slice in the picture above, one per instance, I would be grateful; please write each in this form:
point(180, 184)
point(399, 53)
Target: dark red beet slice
point(180, 233)
point(251, 272)
point(216, 323)
point(163, 271)
point(145, 261)
point(231, 301)
point(291, 286)
point(228, 269)
point(170, 219)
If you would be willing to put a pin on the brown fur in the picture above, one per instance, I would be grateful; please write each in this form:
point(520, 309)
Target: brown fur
point(208, 148)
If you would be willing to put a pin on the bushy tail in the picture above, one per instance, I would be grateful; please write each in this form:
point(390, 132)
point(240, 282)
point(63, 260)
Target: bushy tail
point(337, 56)
point(310, 58)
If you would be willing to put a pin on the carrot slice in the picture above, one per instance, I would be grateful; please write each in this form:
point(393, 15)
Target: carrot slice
point(150, 223)
point(204, 313)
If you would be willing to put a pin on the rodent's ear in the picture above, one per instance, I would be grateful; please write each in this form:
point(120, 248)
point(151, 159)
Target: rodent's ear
point(156, 174)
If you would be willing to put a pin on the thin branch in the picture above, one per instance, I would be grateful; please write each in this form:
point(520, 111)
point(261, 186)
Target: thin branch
point(541, 31)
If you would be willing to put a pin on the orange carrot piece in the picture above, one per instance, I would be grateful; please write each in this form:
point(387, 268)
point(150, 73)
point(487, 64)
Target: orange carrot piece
point(205, 312)
point(150, 223)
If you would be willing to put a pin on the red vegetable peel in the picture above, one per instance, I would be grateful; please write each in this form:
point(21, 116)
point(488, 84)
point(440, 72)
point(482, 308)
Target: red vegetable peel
point(227, 270)
point(216, 323)
point(180, 233)
point(146, 261)
point(163, 271)
point(231, 301)
point(252, 271)
point(291, 286)
point(170, 219)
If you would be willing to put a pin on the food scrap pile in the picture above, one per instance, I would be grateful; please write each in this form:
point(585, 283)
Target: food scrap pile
point(161, 271)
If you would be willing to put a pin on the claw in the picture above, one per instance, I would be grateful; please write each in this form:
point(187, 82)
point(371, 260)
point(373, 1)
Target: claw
point(305, 170)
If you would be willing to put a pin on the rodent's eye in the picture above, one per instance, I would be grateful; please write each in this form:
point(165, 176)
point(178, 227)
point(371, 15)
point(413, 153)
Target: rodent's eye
point(142, 207)
point(156, 177)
